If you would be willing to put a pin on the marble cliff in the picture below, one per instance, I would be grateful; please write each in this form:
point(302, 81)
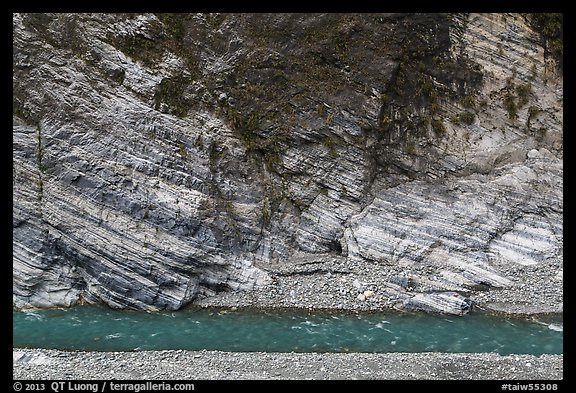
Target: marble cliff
point(409, 161)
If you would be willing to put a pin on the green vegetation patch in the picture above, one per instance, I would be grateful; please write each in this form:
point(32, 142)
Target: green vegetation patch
point(426, 74)
point(467, 117)
point(509, 102)
point(438, 127)
point(61, 31)
point(551, 27)
point(141, 48)
point(468, 102)
point(523, 92)
point(170, 95)
point(515, 97)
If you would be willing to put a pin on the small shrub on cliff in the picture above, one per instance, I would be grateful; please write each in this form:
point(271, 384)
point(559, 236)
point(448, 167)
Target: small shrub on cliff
point(510, 106)
point(467, 117)
point(523, 92)
point(438, 127)
point(411, 147)
point(468, 102)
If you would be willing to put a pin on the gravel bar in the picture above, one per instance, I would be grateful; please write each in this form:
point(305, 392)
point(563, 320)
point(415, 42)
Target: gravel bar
point(216, 365)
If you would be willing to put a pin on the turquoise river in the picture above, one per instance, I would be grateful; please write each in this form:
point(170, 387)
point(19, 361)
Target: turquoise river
point(101, 329)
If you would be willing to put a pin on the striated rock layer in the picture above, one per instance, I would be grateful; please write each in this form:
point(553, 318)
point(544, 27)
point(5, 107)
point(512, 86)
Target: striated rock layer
point(409, 161)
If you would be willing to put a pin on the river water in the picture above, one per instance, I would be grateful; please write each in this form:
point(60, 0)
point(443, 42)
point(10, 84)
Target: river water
point(93, 328)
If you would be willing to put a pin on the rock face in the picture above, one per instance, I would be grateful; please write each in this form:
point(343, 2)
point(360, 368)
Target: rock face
point(160, 159)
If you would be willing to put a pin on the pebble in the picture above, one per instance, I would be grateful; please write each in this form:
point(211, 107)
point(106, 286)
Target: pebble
point(260, 365)
point(295, 290)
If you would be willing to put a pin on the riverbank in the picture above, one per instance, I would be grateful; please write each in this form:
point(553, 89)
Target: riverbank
point(216, 365)
point(320, 290)
point(333, 282)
